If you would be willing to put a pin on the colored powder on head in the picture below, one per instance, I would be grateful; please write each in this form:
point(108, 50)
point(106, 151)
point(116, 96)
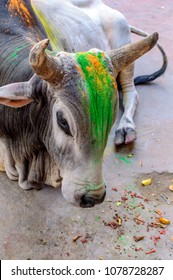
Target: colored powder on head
point(94, 187)
point(19, 6)
point(16, 51)
point(51, 31)
point(100, 94)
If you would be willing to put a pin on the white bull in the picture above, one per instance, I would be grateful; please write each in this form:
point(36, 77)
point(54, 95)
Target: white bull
point(80, 25)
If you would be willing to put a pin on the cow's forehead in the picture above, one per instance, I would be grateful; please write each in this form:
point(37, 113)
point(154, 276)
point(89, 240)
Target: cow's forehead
point(98, 89)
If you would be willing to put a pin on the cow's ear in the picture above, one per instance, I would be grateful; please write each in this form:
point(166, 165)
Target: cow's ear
point(16, 95)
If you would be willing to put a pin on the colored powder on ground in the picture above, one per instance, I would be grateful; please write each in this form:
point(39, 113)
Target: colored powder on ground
point(123, 159)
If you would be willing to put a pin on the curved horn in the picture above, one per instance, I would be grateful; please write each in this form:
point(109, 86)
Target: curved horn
point(45, 66)
point(127, 54)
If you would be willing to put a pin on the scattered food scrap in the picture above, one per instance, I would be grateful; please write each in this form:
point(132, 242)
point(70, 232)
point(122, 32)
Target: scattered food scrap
point(156, 238)
point(164, 221)
point(114, 189)
point(139, 249)
point(119, 203)
point(158, 212)
point(118, 247)
point(150, 252)
point(162, 231)
point(138, 220)
point(146, 182)
point(83, 240)
point(138, 238)
point(76, 237)
point(130, 155)
point(155, 225)
point(117, 222)
point(171, 188)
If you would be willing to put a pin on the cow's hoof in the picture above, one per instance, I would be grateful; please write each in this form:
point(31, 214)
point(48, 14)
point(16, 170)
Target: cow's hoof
point(125, 136)
point(25, 185)
point(37, 186)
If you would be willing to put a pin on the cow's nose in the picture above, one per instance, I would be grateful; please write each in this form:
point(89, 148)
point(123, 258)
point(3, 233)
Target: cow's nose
point(87, 201)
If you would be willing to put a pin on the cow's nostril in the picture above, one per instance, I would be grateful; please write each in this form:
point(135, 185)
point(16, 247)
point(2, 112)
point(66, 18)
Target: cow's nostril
point(87, 202)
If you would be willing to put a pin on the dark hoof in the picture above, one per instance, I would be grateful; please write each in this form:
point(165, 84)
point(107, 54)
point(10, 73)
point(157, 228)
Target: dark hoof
point(125, 136)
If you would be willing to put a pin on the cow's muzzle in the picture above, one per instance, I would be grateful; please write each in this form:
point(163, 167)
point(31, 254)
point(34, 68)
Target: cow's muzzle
point(88, 202)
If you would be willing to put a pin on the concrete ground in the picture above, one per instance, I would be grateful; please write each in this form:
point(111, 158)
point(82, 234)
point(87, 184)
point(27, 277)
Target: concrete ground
point(42, 225)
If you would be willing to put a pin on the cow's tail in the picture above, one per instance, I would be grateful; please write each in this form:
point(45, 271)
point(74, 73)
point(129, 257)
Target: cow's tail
point(149, 78)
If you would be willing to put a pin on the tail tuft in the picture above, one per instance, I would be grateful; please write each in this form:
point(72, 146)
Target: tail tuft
point(143, 79)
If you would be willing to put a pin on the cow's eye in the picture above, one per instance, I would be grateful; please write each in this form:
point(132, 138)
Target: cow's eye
point(63, 123)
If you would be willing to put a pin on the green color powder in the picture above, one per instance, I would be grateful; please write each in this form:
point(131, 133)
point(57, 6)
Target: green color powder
point(99, 96)
point(16, 52)
point(123, 159)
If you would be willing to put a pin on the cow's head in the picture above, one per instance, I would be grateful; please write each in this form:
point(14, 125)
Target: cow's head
point(82, 93)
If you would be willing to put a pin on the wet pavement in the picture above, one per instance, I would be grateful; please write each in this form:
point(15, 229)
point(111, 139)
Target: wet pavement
point(42, 225)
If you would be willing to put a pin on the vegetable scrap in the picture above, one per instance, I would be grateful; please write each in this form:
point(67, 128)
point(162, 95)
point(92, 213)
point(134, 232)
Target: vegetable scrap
point(138, 238)
point(139, 205)
point(124, 198)
point(162, 231)
point(164, 221)
point(76, 237)
point(119, 203)
point(158, 212)
point(114, 224)
point(138, 220)
point(156, 238)
point(150, 252)
point(155, 225)
point(146, 182)
point(139, 249)
point(171, 188)
point(130, 155)
point(114, 189)
point(118, 247)
point(83, 240)
point(135, 195)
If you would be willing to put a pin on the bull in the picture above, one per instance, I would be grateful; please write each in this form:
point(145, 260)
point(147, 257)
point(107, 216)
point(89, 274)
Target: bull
point(59, 103)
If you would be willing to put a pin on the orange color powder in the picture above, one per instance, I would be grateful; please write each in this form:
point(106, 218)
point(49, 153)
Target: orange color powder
point(19, 6)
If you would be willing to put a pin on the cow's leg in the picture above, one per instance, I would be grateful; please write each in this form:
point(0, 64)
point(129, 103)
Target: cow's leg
point(23, 170)
point(10, 168)
point(7, 162)
point(126, 132)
